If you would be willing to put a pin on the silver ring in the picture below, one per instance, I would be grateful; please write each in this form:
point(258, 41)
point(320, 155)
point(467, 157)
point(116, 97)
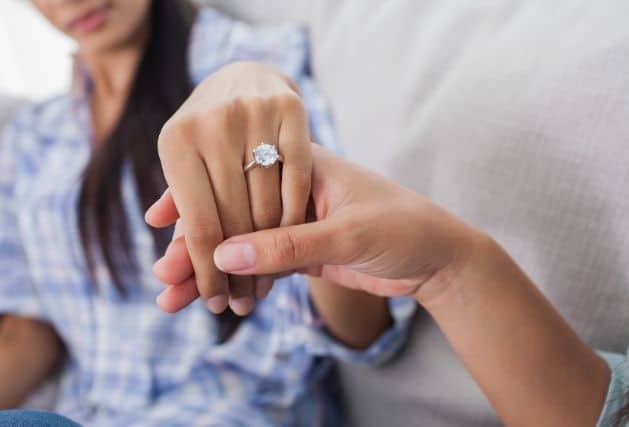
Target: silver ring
point(264, 156)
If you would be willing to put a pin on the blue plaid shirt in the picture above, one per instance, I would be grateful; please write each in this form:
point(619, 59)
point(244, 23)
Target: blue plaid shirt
point(129, 363)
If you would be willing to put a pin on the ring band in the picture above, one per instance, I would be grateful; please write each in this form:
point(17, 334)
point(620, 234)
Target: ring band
point(264, 156)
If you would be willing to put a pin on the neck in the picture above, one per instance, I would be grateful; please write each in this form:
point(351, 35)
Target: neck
point(112, 71)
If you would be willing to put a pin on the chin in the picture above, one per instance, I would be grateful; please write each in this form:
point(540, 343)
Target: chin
point(105, 41)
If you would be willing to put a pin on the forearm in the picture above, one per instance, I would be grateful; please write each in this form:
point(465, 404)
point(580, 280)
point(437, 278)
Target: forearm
point(355, 318)
point(29, 351)
point(528, 361)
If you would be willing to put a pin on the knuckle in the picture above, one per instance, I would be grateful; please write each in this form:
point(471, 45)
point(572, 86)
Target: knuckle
point(234, 108)
point(222, 121)
point(220, 118)
point(255, 106)
point(166, 138)
point(257, 103)
point(289, 101)
point(203, 130)
point(285, 247)
point(203, 235)
point(219, 124)
point(175, 132)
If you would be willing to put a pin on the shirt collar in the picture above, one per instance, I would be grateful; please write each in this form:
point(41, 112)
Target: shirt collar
point(80, 92)
point(81, 81)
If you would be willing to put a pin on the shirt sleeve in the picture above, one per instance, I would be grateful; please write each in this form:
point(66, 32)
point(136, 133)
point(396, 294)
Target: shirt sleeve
point(304, 328)
point(218, 40)
point(618, 387)
point(17, 293)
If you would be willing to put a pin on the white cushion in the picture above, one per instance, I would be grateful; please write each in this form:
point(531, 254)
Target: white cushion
point(512, 114)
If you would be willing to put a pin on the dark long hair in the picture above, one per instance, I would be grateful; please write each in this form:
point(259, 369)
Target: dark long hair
point(160, 85)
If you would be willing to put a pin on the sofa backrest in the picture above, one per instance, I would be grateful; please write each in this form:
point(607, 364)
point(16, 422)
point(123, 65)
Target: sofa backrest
point(512, 114)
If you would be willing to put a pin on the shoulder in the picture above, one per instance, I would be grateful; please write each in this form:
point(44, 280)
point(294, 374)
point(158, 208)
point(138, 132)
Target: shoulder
point(41, 118)
point(218, 39)
point(35, 125)
point(8, 106)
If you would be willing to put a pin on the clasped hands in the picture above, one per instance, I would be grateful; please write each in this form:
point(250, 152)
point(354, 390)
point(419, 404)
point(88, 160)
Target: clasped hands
point(236, 232)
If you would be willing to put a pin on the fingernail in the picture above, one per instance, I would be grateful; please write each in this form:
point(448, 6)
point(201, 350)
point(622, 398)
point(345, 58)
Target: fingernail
point(150, 209)
point(148, 213)
point(157, 264)
point(233, 257)
point(263, 287)
point(160, 298)
point(242, 306)
point(217, 304)
point(146, 216)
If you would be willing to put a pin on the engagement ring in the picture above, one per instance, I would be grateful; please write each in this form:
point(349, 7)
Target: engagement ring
point(265, 156)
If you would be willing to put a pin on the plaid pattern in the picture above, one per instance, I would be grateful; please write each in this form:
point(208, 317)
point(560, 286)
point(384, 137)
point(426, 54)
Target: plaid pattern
point(130, 364)
point(618, 388)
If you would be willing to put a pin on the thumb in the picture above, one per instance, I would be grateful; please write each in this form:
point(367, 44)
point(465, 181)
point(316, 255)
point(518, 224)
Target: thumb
point(282, 249)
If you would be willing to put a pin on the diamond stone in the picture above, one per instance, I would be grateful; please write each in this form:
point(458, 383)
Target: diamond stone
point(266, 155)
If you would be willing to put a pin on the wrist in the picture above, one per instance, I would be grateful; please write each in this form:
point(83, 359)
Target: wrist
point(506, 332)
point(250, 69)
point(476, 255)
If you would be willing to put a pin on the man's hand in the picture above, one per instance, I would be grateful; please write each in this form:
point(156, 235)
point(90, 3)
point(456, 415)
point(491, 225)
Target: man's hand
point(369, 234)
point(373, 235)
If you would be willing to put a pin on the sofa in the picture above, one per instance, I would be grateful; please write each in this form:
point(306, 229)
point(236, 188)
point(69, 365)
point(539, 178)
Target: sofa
point(511, 114)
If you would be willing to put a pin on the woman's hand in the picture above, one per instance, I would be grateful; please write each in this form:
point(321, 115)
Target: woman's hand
point(203, 149)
